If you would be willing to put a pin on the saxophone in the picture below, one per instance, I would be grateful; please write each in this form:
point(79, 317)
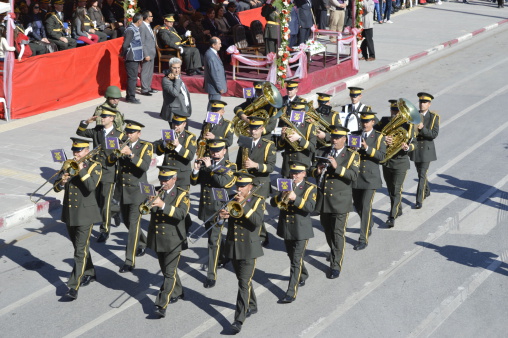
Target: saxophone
point(318, 122)
point(290, 130)
point(245, 156)
point(200, 152)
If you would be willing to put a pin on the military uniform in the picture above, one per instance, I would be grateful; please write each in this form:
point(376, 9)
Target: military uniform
point(425, 151)
point(208, 206)
point(169, 37)
point(132, 171)
point(55, 30)
point(394, 172)
point(369, 179)
point(106, 188)
point(243, 247)
point(119, 117)
point(350, 116)
point(334, 200)
point(329, 115)
point(272, 112)
point(272, 29)
point(224, 130)
point(295, 227)
point(167, 237)
point(79, 212)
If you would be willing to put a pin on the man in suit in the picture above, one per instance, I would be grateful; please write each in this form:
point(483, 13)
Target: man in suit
point(166, 236)
point(372, 151)
point(243, 246)
point(395, 169)
point(231, 12)
point(305, 19)
point(350, 114)
point(175, 93)
point(215, 76)
point(169, 37)
point(106, 188)
point(203, 174)
point(55, 28)
point(335, 178)
point(149, 51)
point(258, 159)
point(79, 212)
point(134, 161)
point(295, 225)
point(179, 153)
point(425, 150)
point(222, 130)
point(296, 148)
point(132, 52)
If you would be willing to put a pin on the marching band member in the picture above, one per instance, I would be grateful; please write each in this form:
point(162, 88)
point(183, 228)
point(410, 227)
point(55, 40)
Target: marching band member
point(243, 246)
point(167, 235)
point(328, 114)
point(350, 114)
point(287, 100)
point(203, 173)
point(372, 151)
point(335, 177)
point(134, 161)
point(179, 153)
point(425, 150)
point(295, 147)
point(106, 186)
point(79, 212)
point(395, 169)
point(295, 225)
point(222, 130)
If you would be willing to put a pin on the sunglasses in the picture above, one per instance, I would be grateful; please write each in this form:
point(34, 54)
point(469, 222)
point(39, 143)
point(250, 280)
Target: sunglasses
point(36, 7)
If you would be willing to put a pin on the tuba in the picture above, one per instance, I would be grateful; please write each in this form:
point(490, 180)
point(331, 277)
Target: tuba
point(407, 114)
point(271, 95)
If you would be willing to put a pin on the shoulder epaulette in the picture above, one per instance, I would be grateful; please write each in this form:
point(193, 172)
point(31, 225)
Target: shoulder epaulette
point(258, 196)
point(311, 184)
point(267, 141)
point(145, 142)
point(227, 121)
point(191, 134)
point(433, 112)
point(182, 189)
point(352, 150)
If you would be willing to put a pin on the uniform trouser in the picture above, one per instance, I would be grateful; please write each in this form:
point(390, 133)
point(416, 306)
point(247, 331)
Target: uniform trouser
point(172, 286)
point(362, 200)
point(71, 43)
point(136, 237)
point(246, 298)
point(335, 228)
point(270, 45)
point(214, 238)
point(131, 67)
point(105, 190)
point(191, 58)
point(146, 75)
point(368, 44)
point(298, 272)
point(337, 20)
point(394, 179)
point(423, 188)
point(83, 266)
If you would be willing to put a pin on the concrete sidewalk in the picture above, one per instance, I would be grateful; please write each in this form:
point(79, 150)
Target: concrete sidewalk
point(25, 144)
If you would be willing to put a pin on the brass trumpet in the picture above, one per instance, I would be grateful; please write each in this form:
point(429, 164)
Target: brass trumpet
point(283, 204)
point(70, 167)
point(144, 208)
point(126, 143)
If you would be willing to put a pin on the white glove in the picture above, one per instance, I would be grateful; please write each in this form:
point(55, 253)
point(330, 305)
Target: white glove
point(181, 50)
point(187, 34)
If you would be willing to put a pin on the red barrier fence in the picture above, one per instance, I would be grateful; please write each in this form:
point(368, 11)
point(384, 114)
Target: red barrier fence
point(57, 80)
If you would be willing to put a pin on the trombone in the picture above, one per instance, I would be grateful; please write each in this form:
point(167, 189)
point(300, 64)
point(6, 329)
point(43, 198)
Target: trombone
point(69, 166)
point(234, 208)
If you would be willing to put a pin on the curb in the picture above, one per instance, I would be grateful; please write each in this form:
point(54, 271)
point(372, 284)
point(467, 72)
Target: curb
point(33, 211)
point(362, 78)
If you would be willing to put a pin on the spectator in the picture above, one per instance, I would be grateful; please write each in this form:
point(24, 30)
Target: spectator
point(114, 15)
point(175, 93)
point(209, 23)
point(55, 30)
point(294, 26)
point(377, 7)
point(45, 7)
point(4, 45)
point(320, 8)
point(305, 19)
point(80, 27)
point(149, 52)
point(201, 36)
point(132, 52)
point(252, 3)
point(368, 24)
point(215, 76)
point(95, 14)
point(169, 37)
point(388, 11)
point(185, 7)
point(21, 43)
point(231, 15)
point(205, 5)
point(37, 33)
point(23, 13)
point(221, 22)
point(337, 15)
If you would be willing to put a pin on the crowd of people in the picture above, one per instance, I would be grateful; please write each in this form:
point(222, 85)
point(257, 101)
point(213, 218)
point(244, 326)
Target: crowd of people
point(333, 162)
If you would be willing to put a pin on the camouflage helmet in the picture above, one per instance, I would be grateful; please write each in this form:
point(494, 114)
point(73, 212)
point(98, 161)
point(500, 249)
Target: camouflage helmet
point(113, 92)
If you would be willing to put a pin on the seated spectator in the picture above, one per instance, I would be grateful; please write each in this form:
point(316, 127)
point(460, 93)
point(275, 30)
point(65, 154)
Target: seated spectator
point(221, 22)
point(205, 5)
point(200, 35)
point(95, 14)
point(55, 30)
point(4, 46)
point(114, 15)
point(209, 22)
point(82, 28)
point(37, 32)
point(185, 7)
point(45, 7)
point(231, 15)
point(22, 13)
point(25, 48)
point(252, 3)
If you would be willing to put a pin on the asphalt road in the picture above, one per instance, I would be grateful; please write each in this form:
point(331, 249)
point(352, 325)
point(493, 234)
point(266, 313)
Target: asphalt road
point(440, 272)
